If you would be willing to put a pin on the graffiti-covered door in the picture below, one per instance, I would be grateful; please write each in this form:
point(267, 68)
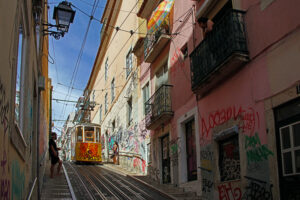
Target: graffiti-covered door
point(165, 159)
point(288, 143)
point(191, 150)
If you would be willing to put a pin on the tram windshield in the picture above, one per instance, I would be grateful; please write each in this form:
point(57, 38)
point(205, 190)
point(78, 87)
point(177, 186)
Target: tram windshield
point(89, 134)
point(79, 134)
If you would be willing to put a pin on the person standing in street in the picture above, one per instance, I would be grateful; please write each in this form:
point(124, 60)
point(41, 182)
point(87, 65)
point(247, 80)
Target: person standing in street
point(116, 153)
point(53, 151)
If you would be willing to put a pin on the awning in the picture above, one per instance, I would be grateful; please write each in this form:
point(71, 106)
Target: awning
point(159, 15)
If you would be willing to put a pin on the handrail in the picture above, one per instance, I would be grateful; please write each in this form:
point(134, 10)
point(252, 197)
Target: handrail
point(31, 190)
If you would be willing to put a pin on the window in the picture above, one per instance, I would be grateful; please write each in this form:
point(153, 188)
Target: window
point(184, 51)
point(290, 149)
point(146, 97)
point(113, 124)
point(106, 69)
point(105, 103)
point(113, 90)
point(19, 76)
point(89, 134)
point(229, 158)
point(128, 63)
point(79, 134)
point(161, 77)
point(129, 106)
point(100, 114)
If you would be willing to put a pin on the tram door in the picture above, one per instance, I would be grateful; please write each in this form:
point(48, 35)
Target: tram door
point(165, 159)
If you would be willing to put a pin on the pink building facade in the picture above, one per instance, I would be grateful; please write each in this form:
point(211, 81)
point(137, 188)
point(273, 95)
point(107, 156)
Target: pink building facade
point(233, 129)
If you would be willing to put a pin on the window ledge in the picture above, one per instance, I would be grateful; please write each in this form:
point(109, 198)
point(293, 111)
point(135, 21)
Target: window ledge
point(18, 141)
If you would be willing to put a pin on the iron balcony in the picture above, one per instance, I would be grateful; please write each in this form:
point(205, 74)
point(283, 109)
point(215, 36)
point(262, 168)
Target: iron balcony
point(159, 108)
point(220, 54)
point(154, 43)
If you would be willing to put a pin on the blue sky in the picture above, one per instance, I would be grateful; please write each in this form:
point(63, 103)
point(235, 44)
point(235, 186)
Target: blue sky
point(65, 53)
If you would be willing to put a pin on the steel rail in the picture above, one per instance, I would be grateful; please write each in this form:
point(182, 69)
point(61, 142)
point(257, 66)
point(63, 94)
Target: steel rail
point(115, 188)
point(104, 185)
point(127, 182)
point(88, 192)
point(90, 181)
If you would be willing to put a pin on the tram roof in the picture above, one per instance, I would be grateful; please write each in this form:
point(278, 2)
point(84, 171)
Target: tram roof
point(86, 124)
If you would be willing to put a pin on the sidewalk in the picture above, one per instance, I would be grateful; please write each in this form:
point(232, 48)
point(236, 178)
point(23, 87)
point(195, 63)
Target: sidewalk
point(57, 187)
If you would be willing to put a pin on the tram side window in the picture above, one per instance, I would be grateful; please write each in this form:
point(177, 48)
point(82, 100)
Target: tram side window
point(89, 134)
point(79, 134)
point(98, 135)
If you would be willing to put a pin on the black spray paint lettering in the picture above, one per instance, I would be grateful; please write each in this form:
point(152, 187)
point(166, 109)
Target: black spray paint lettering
point(4, 108)
point(206, 185)
point(257, 189)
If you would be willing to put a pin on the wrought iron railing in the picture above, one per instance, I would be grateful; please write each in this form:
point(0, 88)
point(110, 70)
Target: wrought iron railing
point(152, 38)
point(159, 104)
point(227, 38)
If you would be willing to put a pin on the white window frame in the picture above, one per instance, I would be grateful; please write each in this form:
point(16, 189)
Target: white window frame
point(106, 69)
point(129, 111)
point(145, 99)
point(20, 72)
point(100, 114)
point(105, 103)
point(129, 62)
point(112, 89)
point(292, 149)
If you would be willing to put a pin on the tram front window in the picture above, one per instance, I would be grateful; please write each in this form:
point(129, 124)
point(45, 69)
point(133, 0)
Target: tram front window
point(79, 134)
point(89, 134)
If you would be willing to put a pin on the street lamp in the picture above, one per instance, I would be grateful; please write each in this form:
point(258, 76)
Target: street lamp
point(63, 15)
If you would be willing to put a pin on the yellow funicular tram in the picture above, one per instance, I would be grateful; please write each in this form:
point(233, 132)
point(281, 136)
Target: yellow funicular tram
point(85, 143)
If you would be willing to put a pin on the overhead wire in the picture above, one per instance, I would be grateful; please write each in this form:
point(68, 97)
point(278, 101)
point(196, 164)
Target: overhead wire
point(70, 89)
point(118, 28)
point(103, 7)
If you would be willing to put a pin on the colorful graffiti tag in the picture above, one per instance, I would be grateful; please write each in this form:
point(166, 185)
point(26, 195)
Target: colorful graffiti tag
point(227, 192)
point(18, 181)
point(255, 150)
point(249, 119)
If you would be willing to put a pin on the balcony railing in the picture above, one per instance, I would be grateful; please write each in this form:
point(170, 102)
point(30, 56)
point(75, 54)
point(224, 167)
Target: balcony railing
point(159, 107)
point(154, 43)
point(222, 52)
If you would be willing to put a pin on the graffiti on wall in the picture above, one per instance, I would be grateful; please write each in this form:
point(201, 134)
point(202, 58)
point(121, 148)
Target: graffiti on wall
point(174, 150)
point(257, 189)
point(4, 182)
point(176, 58)
point(228, 192)
point(255, 150)
point(4, 108)
point(248, 119)
point(154, 173)
point(18, 181)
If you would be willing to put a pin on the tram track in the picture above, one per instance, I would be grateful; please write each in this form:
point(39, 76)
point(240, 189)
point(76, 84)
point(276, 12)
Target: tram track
point(115, 181)
point(122, 180)
point(101, 186)
point(78, 183)
point(96, 182)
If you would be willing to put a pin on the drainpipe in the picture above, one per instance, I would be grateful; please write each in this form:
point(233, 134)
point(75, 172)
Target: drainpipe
point(41, 87)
